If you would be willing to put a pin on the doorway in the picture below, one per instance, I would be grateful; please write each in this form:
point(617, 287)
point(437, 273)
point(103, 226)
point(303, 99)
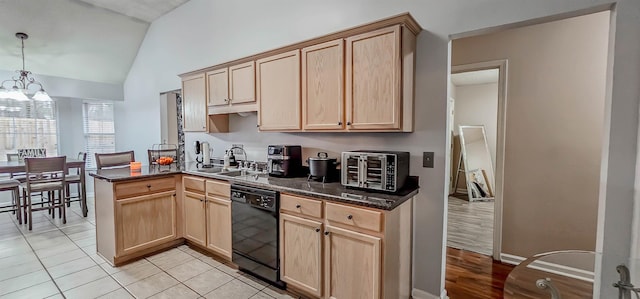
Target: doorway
point(547, 186)
point(476, 95)
point(171, 126)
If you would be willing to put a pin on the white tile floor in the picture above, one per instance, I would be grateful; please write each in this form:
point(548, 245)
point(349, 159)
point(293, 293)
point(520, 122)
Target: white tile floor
point(57, 260)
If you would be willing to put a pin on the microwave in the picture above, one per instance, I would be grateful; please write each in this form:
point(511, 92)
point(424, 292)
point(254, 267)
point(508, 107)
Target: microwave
point(375, 170)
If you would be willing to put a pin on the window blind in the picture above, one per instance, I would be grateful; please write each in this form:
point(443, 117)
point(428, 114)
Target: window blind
point(99, 130)
point(28, 124)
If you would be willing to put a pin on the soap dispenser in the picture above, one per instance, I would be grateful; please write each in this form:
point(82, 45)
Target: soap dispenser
point(232, 159)
point(226, 159)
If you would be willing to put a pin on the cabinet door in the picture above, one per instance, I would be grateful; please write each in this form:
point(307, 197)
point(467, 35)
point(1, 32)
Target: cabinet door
point(301, 253)
point(373, 88)
point(145, 221)
point(219, 225)
point(278, 92)
point(242, 79)
point(323, 86)
point(217, 86)
point(194, 217)
point(352, 263)
point(194, 104)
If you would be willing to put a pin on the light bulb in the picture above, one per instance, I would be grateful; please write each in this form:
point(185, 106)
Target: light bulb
point(42, 96)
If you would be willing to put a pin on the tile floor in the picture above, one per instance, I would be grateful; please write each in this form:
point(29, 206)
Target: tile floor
point(57, 260)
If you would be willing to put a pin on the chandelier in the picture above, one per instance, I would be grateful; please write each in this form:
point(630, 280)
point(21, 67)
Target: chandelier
point(22, 83)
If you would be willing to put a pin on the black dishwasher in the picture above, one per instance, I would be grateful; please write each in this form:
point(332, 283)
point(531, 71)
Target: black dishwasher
point(255, 220)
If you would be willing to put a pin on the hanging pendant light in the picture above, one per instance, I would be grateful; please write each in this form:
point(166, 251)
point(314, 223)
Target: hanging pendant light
point(22, 83)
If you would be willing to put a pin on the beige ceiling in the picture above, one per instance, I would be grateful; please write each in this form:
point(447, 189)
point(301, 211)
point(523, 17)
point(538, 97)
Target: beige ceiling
point(93, 40)
point(146, 10)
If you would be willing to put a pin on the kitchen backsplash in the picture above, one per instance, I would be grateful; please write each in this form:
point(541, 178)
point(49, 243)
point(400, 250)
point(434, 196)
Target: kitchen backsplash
point(243, 131)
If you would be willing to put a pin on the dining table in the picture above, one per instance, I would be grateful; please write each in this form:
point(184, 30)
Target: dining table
point(19, 166)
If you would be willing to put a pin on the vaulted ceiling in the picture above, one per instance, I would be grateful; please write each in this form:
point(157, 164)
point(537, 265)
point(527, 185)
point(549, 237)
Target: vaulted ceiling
point(93, 40)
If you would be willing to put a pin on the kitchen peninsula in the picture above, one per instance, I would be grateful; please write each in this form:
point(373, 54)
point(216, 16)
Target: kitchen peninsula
point(334, 241)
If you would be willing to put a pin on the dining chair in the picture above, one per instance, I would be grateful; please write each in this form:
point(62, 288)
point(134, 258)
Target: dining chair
point(74, 178)
point(14, 187)
point(153, 155)
point(112, 160)
point(45, 175)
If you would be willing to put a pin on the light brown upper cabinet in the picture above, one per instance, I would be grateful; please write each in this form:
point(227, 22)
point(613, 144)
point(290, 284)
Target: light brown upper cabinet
point(194, 104)
point(379, 80)
point(278, 92)
point(360, 79)
point(323, 86)
point(232, 89)
point(194, 107)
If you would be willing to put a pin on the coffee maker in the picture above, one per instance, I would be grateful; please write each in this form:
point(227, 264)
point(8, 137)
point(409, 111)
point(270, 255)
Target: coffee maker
point(284, 160)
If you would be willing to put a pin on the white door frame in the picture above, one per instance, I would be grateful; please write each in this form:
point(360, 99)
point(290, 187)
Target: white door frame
point(501, 65)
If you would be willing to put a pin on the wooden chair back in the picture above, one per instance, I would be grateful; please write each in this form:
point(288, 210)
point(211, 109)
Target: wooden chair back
point(110, 160)
point(45, 172)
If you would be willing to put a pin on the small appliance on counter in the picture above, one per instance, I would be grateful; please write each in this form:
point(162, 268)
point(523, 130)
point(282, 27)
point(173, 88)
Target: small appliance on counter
point(284, 160)
point(375, 170)
point(203, 153)
point(322, 168)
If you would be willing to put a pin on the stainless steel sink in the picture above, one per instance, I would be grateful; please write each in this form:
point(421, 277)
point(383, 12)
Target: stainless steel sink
point(215, 169)
point(240, 172)
point(234, 173)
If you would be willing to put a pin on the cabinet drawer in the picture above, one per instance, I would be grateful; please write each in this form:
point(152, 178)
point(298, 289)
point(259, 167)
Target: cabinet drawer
point(193, 184)
point(136, 188)
point(300, 205)
point(358, 217)
point(219, 188)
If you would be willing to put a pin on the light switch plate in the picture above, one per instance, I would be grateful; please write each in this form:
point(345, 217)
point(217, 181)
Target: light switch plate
point(427, 159)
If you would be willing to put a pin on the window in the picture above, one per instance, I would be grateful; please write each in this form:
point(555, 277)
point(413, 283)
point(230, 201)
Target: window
point(99, 130)
point(27, 124)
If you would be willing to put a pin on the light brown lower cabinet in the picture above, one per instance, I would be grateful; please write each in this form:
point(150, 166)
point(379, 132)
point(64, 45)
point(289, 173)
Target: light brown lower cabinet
point(137, 217)
point(352, 263)
point(218, 211)
point(194, 217)
point(345, 251)
point(145, 221)
point(301, 253)
point(207, 214)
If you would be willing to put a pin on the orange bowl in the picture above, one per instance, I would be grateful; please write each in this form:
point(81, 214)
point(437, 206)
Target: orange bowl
point(164, 160)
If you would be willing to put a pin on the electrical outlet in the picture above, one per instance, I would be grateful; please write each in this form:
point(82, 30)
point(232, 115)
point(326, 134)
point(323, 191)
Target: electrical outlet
point(427, 159)
point(238, 149)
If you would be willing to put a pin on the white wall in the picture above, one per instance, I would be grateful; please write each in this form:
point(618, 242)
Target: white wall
point(201, 33)
point(478, 105)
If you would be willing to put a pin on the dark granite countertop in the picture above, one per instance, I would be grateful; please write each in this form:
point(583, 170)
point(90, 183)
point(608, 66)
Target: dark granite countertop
point(300, 186)
point(125, 173)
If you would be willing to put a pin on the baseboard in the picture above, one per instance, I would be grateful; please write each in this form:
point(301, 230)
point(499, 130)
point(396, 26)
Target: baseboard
point(511, 259)
point(575, 273)
point(420, 294)
point(550, 267)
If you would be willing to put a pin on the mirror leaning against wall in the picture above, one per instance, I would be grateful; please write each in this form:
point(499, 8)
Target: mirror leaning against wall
point(478, 167)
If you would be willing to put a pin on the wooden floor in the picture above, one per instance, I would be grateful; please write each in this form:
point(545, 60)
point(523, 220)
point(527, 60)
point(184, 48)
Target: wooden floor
point(471, 275)
point(470, 225)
